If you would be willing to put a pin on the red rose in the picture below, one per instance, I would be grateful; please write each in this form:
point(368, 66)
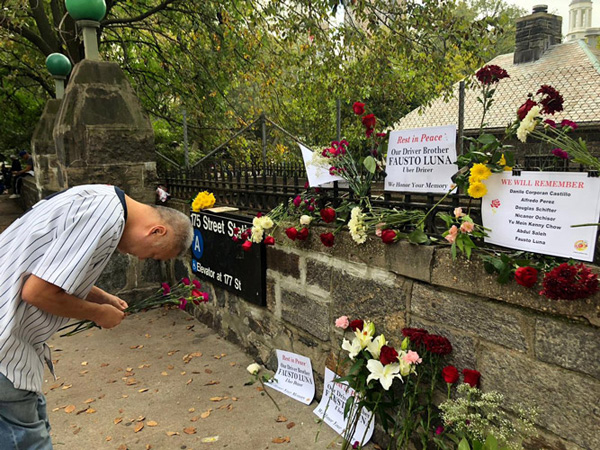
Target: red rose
point(450, 374)
point(437, 344)
point(246, 246)
point(526, 276)
point(328, 215)
point(303, 234)
point(327, 239)
point(358, 108)
point(388, 236)
point(471, 377)
point(524, 108)
point(292, 233)
point(369, 121)
point(356, 324)
point(269, 240)
point(388, 355)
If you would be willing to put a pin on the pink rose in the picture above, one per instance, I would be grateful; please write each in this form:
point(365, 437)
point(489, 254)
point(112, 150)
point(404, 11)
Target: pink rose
point(412, 358)
point(467, 227)
point(342, 322)
point(451, 236)
point(458, 213)
point(379, 228)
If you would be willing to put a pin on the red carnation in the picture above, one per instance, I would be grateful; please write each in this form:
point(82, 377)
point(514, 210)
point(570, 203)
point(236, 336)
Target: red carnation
point(328, 215)
point(471, 377)
point(356, 324)
point(292, 233)
point(415, 335)
point(369, 121)
point(246, 246)
point(358, 108)
point(388, 236)
point(303, 234)
point(450, 374)
point(491, 74)
point(369, 132)
point(437, 344)
point(568, 282)
point(269, 240)
point(552, 101)
point(327, 239)
point(524, 108)
point(526, 276)
point(388, 355)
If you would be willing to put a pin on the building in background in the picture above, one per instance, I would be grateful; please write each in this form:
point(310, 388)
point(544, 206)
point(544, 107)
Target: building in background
point(580, 22)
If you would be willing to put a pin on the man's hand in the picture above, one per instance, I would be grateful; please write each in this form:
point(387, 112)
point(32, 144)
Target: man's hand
point(115, 301)
point(108, 316)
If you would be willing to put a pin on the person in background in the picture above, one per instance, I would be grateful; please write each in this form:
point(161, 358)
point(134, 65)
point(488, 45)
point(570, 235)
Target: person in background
point(51, 258)
point(18, 175)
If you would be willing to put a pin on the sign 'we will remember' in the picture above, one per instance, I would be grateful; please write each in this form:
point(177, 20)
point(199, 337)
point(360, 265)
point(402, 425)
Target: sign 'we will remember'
point(536, 210)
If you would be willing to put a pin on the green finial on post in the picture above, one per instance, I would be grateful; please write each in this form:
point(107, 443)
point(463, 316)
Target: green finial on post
point(59, 67)
point(88, 14)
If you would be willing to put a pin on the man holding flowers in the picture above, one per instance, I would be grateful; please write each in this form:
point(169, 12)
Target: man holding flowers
point(54, 255)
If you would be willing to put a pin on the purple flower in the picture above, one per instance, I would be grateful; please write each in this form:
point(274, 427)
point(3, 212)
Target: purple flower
point(560, 153)
point(166, 289)
point(568, 123)
point(439, 430)
point(297, 201)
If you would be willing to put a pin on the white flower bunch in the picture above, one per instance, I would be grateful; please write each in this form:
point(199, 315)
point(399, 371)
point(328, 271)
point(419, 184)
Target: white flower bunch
point(528, 123)
point(259, 225)
point(357, 226)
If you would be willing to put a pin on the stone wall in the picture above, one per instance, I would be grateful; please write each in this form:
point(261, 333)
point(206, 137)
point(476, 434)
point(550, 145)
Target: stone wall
point(534, 350)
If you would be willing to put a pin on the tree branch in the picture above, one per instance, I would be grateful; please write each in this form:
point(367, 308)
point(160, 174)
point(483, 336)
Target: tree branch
point(28, 34)
point(148, 13)
point(43, 24)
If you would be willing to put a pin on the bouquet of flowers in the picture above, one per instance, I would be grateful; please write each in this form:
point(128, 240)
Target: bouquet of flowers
point(203, 200)
point(179, 295)
point(374, 365)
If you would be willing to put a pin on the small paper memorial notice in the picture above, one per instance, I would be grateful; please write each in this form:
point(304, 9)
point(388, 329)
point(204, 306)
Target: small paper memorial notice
point(331, 410)
point(294, 377)
point(535, 211)
point(421, 159)
point(317, 175)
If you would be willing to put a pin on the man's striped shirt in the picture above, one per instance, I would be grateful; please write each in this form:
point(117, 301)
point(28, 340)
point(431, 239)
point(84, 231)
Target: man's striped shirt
point(65, 240)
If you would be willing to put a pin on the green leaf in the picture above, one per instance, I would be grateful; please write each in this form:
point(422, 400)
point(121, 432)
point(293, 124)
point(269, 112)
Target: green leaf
point(464, 445)
point(487, 139)
point(477, 445)
point(370, 164)
point(418, 237)
point(348, 406)
point(491, 443)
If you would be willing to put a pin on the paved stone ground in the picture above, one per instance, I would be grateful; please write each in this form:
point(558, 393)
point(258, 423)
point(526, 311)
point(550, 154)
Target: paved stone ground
point(162, 380)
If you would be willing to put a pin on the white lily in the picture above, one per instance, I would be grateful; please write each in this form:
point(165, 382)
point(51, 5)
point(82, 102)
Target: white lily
point(385, 374)
point(365, 336)
point(353, 348)
point(374, 347)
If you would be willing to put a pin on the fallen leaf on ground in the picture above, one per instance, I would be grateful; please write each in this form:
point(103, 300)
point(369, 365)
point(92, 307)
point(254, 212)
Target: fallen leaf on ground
point(189, 430)
point(138, 427)
point(56, 386)
point(83, 372)
point(124, 396)
point(205, 414)
point(104, 365)
point(216, 399)
point(131, 381)
point(290, 425)
point(182, 373)
point(194, 419)
point(170, 367)
point(147, 335)
point(134, 347)
point(188, 381)
point(108, 438)
point(76, 430)
point(67, 386)
point(90, 411)
point(207, 371)
point(217, 356)
point(260, 388)
point(172, 433)
point(143, 366)
point(281, 419)
point(84, 363)
point(55, 409)
point(122, 447)
point(235, 399)
point(164, 374)
point(140, 418)
point(118, 420)
point(211, 383)
point(191, 409)
point(143, 390)
point(232, 364)
point(69, 409)
point(210, 439)
point(152, 423)
point(281, 440)
point(172, 352)
point(90, 400)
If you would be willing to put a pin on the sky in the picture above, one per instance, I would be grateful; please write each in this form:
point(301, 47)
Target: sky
point(558, 7)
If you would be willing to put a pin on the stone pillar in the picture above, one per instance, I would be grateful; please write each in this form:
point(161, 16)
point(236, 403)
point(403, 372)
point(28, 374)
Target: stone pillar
point(48, 176)
point(101, 133)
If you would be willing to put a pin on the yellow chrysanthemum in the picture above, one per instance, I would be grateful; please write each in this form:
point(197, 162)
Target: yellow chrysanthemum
point(477, 190)
point(474, 179)
point(502, 161)
point(507, 169)
point(481, 171)
point(203, 200)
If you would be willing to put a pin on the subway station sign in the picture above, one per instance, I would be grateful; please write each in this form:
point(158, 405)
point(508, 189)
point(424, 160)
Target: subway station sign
point(220, 260)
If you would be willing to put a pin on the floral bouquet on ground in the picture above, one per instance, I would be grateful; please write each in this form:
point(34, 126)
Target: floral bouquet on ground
point(203, 200)
point(180, 295)
point(373, 367)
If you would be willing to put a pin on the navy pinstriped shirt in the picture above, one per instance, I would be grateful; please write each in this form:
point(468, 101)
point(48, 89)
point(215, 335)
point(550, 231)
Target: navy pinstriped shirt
point(65, 240)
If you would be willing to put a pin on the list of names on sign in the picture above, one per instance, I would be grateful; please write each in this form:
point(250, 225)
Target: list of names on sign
point(536, 210)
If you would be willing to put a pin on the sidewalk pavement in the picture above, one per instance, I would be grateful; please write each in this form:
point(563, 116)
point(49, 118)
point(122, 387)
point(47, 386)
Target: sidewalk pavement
point(162, 380)
point(10, 210)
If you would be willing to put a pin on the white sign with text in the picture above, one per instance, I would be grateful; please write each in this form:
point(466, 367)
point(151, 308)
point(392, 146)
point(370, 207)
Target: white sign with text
point(535, 211)
point(331, 410)
point(317, 175)
point(294, 377)
point(421, 159)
